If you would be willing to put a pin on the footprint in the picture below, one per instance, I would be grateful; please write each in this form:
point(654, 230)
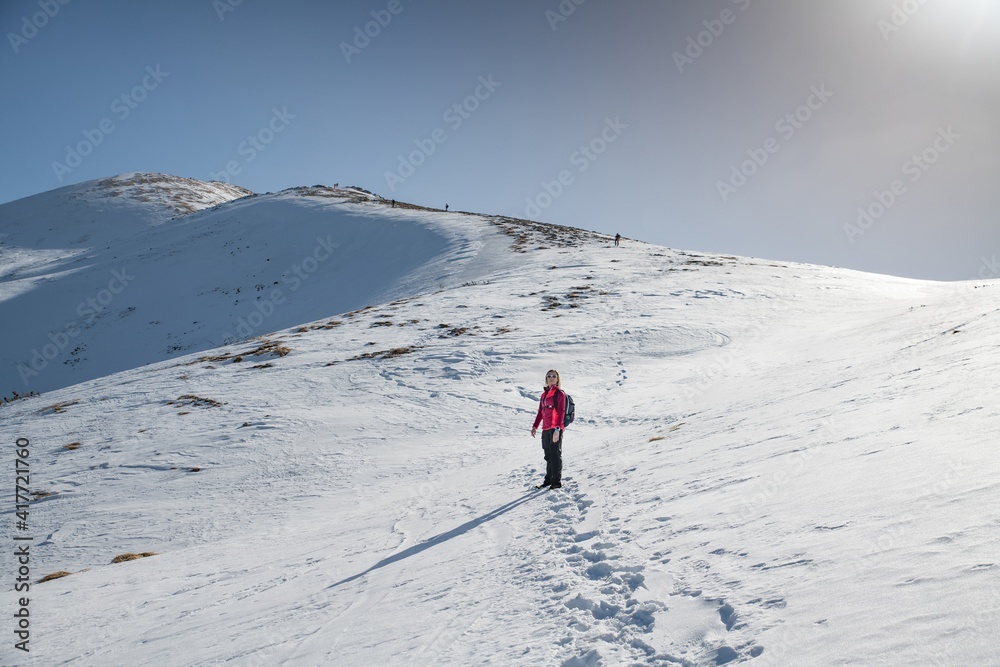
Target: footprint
point(599, 571)
point(725, 655)
point(728, 615)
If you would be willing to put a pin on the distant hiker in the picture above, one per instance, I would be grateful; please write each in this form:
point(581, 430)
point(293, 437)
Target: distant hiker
point(394, 203)
point(551, 411)
point(618, 238)
point(446, 207)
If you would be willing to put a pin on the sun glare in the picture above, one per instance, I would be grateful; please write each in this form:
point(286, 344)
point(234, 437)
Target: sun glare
point(980, 17)
point(970, 22)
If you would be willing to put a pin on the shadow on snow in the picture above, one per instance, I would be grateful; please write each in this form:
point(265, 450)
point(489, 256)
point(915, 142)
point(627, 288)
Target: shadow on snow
point(438, 539)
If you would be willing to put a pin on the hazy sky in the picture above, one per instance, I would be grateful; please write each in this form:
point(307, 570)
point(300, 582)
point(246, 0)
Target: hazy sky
point(856, 133)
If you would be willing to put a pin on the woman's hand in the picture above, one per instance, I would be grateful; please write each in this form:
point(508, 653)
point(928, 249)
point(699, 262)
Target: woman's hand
point(555, 436)
point(533, 431)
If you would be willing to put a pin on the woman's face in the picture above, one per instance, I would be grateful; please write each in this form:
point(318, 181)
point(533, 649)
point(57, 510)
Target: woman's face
point(551, 379)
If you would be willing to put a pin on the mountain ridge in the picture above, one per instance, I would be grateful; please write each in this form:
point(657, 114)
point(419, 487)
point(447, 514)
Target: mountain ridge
point(83, 294)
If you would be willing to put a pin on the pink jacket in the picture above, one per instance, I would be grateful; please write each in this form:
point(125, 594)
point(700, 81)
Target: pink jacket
point(551, 409)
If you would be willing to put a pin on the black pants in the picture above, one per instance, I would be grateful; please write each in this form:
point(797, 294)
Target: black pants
point(553, 456)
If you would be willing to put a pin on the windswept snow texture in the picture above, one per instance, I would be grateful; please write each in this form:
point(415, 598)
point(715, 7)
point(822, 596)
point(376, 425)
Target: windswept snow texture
point(772, 464)
point(98, 279)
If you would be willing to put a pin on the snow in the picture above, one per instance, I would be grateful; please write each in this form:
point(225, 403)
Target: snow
point(124, 294)
point(772, 463)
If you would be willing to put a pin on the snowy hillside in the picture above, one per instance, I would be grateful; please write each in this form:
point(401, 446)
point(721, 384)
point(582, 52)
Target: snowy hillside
point(115, 274)
point(772, 464)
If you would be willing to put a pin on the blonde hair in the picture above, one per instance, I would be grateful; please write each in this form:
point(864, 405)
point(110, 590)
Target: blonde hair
point(558, 379)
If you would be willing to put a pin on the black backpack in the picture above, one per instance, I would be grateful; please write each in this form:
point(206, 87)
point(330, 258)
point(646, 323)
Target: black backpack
point(570, 410)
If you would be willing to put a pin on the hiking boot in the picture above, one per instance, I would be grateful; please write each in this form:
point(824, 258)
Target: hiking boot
point(557, 485)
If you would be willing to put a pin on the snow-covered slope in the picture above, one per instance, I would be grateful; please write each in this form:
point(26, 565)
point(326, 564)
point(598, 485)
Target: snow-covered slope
point(772, 464)
point(101, 211)
point(96, 287)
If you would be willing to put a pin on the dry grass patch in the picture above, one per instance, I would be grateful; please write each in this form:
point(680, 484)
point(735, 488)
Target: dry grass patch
point(455, 331)
point(195, 401)
point(55, 575)
point(122, 558)
point(266, 347)
point(354, 313)
point(14, 396)
point(270, 347)
point(207, 358)
point(212, 357)
point(385, 354)
point(71, 446)
point(323, 325)
point(56, 408)
point(543, 235)
point(551, 303)
point(657, 437)
point(579, 293)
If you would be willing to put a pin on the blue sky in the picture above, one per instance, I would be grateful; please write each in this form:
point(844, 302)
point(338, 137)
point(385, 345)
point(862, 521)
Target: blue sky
point(856, 133)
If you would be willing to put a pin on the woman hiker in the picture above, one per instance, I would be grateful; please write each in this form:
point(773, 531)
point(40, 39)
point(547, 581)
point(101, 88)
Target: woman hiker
point(551, 411)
